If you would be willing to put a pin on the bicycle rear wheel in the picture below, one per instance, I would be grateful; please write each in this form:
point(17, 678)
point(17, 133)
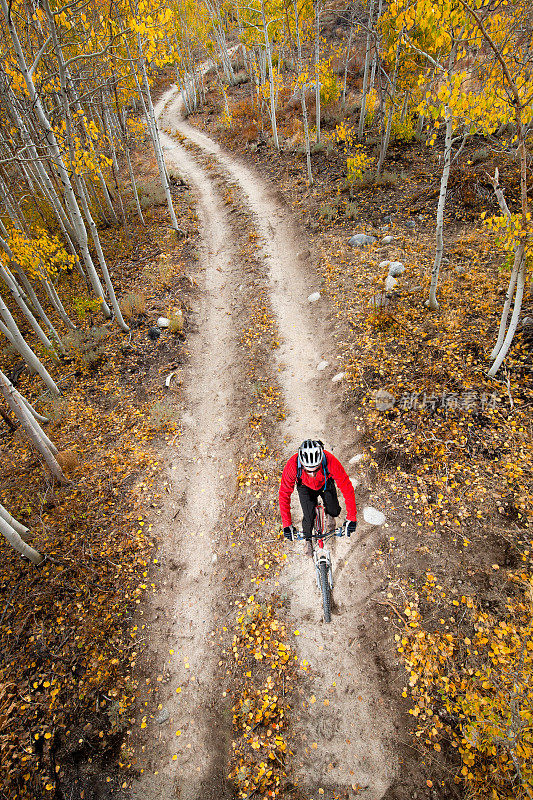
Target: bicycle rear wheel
point(326, 591)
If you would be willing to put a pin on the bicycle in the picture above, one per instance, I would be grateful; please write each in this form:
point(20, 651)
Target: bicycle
point(322, 557)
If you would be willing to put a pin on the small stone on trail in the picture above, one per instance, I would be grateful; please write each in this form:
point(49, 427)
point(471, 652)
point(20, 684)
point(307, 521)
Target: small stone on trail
point(322, 365)
point(383, 264)
point(163, 322)
point(373, 516)
point(396, 268)
point(314, 297)
point(361, 240)
point(338, 377)
point(387, 239)
point(154, 333)
point(390, 283)
point(163, 716)
point(356, 459)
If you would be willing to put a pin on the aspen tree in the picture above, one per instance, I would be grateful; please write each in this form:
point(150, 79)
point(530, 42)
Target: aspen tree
point(512, 65)
point(9, 328)
point(261, 31)
point(65, 83)
point(15, 535)
point(33, 430)
point(301, 79)
point(366, 74)
point(75, 215)
point(318, 10)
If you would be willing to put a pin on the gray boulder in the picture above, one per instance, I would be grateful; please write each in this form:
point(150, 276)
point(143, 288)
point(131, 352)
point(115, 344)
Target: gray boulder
point(396, 268)
point(390, 284)
point(361, 240)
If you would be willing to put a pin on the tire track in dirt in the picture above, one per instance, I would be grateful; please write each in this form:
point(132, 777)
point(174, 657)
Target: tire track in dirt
point(346, 731)
point(200, 474)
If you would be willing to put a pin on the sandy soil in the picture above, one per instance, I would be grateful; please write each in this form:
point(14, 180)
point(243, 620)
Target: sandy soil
point(351, 722)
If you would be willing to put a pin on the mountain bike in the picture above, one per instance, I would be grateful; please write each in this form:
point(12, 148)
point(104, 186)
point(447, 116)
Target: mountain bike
point(322, 557)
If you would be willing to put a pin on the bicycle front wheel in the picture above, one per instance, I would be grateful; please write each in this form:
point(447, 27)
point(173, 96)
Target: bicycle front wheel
point(325, 589)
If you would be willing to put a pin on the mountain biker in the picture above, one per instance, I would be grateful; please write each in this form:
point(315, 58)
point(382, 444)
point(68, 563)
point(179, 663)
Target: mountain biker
point(315, 472)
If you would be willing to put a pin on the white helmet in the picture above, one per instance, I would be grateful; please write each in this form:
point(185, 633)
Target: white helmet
point(311, 454)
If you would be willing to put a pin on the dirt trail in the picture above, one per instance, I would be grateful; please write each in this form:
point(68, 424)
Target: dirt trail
point(350, 720)
point(189, 525)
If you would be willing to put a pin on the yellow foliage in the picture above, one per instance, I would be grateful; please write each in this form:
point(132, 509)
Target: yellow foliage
point(476, 691)
point(357, 164)
point(40, 256)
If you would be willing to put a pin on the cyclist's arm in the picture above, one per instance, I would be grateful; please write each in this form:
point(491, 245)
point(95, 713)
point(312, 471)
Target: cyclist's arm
point(286, 488)
point(340, 476)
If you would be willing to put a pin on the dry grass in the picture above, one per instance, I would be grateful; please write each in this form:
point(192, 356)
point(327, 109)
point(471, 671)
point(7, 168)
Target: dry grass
point(132, 304)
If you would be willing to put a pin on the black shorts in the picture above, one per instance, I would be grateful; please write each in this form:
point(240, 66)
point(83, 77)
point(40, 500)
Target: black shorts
point(308, 500)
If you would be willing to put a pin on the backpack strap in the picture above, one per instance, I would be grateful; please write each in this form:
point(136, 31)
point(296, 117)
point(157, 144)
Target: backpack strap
point(325, 469)
point(298, 472)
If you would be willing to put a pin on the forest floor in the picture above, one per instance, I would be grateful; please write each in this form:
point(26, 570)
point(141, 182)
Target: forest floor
point(171, 620)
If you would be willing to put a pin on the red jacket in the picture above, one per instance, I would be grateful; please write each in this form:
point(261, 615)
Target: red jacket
point(316, 482)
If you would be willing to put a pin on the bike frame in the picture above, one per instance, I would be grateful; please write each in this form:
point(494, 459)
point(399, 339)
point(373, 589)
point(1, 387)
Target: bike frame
point(321, 554)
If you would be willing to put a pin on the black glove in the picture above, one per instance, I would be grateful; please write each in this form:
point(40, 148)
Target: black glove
point(290, 532)
point(349, 527)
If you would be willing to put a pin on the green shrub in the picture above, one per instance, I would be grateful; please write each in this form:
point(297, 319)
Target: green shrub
point(160, 416)
point(350, 210)
point(175, 322)
point(328, 212)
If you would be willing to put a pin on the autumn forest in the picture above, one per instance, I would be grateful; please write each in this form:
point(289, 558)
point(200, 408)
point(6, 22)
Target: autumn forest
point(225, 228)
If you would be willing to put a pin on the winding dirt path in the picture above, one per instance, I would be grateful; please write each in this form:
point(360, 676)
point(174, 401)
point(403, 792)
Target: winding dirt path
point(199, 478)
point(346, 724)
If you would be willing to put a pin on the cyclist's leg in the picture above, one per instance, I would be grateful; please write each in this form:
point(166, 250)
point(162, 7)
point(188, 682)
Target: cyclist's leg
point(331, 503)
point(308, 498)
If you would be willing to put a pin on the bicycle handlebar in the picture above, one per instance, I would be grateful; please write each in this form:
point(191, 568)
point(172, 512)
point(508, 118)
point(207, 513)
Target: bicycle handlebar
point(336, 532)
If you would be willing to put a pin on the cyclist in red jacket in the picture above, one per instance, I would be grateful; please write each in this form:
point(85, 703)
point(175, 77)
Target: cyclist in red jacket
point(315, 472)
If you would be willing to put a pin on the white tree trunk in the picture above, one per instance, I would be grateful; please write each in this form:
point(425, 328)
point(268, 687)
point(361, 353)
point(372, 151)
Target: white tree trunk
point(307, 139)
point(504, 349)
point(366, 72)
point(101, 258)
point(38, 307)
point(347, 62)
point(133, 183)
point(268, 51)
point(439, 230)
point(386, 137)
point(377, 48)
point(18, 544)
point(56, 303)
point(13, 288)
point(152, 123)
point(115, 168)
point(317, 71)
point(518, 256)
point(35, 433)
point(76, 218)
point(21, 529)
point(10, 329)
